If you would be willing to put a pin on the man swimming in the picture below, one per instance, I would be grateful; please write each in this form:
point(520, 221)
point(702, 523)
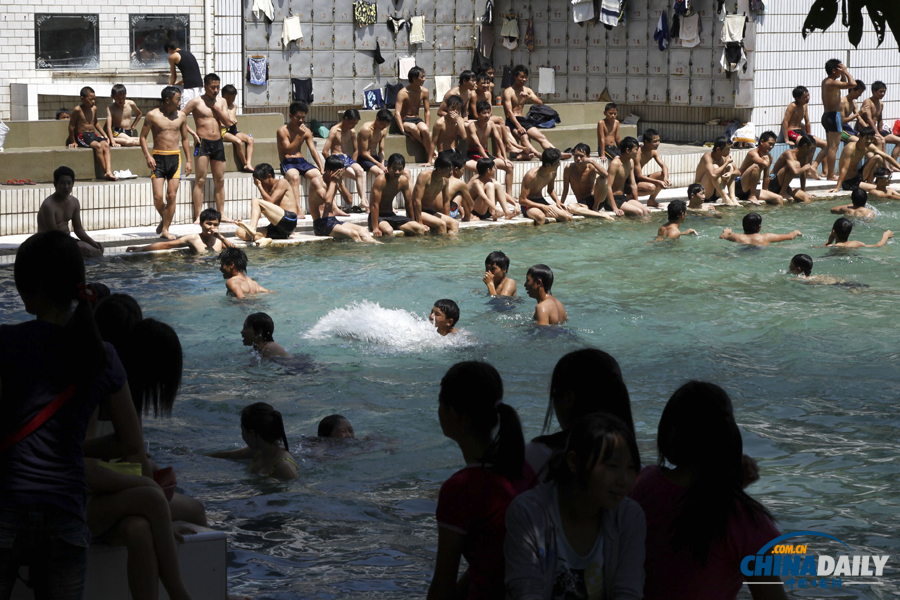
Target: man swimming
point(495, 278)
point(752, 224)
point(840, 236)
point(677, 210)
point(882, 179)
point(234, 270)
point(857, 207)
point(549, 310)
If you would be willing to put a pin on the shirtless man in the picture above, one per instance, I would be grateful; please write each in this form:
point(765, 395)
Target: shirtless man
point(290, 139)
point(850, 176)
point(166, 123)
point(84, 132)
point(514, 99)
point(850, 111)
point(370, 143)
point(457, 188)
point(208, 240)
point(484, 93)
point(394, 180)
point(122, 117)
point(409, 100)
point(322, 207)
point(60, 207)
point(448, 129)
point(588, 181)
point(839, 78)
point(489, 196)
point(840, 236)
point(466, 91)
point(549, 310)
point(716, 172)
point(871, 115)
point(531, 198)
point(210, 115)
point(756, 167)
point(650, 151)
point(752, 223)
point(696, 202)
point(341, 142)
point(622, 198)
point(481, 131)
point(882, 179)
point(857, 206)
point(428, 205)
point(277, 202)
point(677, 210)
point(234, 270)
point(794, 162)
point(231, 134)
point(796, 123)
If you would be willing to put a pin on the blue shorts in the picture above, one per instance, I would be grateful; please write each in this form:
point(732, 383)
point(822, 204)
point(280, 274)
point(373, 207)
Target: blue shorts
point(322, 227)
point(368, 164)
point(346, 160)
point(301, 164)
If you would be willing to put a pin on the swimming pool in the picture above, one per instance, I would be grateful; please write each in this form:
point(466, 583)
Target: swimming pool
point(811, 369)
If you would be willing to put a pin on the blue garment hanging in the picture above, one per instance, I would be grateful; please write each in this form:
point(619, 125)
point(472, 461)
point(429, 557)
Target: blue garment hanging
point(661, 35)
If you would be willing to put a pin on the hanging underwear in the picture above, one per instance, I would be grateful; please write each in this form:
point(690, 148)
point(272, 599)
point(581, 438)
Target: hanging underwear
point(257, 70)
point(488, 17)
point(396, 25)
point(365, 13)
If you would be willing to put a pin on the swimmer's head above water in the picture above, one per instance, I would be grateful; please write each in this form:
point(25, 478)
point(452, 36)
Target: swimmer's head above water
point(444, 316)
point(335, 426)
point(801, 264)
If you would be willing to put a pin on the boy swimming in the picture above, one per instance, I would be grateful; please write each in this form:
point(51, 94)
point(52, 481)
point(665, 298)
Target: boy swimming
point(335, 426)
point(857, 208)
point(549, 310)
point(840, 236)
point(234, 270)
point(445, 315)
point(677, 211)
point(257, 332)
point(882, 179)
point(752, 223)
point(495, 267)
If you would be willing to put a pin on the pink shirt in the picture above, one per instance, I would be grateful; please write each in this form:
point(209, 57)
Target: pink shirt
point(676, 575)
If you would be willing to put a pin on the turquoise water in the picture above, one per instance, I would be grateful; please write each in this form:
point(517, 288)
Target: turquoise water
point(811, 369)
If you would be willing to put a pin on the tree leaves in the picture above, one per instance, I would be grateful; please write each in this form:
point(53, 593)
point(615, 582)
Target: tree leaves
point(882, 13)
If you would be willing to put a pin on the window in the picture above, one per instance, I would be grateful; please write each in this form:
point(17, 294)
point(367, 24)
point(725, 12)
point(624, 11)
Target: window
point(150, 32)
point(66, 41)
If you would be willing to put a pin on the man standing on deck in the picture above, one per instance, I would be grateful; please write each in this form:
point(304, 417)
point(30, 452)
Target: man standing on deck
point(191, 78)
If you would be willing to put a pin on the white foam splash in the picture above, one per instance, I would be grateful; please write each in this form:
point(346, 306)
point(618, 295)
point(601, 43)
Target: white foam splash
point(390, 328)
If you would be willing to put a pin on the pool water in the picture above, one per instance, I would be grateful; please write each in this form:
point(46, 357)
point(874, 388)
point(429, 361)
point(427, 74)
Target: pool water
point(811, 369)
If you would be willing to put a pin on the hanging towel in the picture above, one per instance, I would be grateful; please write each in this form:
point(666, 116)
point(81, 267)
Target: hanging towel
point(661, 35)
point(417, 30)
point(733, 58)
point(257, 70)
point(690, 31)
point(442, 85)
point(583, 11)
point(486, 40)
point(609, 12)
point(546, 81)
point(529, 36)
point(291, 31)
point(302, 90)
point(365, 13)
point(406, 64)
point(372, 99)
point(263, 7)
point(733, 29)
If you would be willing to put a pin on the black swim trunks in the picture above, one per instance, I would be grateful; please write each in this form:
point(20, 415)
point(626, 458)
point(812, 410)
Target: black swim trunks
point(394, 220)
point(484, 217)
point(611, 152)
point(620, 200)
point(851, 184)
point(831, 121)
point(587, 201)
point(168, 164)
point(523, 121)
point(214, 149)
point(117, 131)
point(322, 227)
point(431, 212)
point(87, 138)
point(368, 164)
point(774, 184)
point(413, 120)
point(537, 200)
point(233, 130)
point(739, 192)
point(298, 163)
point(284, 228)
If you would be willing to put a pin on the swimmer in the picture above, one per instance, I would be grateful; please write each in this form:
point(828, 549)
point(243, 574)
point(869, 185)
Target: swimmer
point(716, 172)
point(677, 212)
point(210, 239)
point(262, 429)
point(752, 223)
point(532, 201)
point(495, 267)
point(549, 310)
point(276, 202)
point(755, 168)
point(840, 234)
point(257, 332)
point(882, 179)
point(608, 133)
point(801, 266)
point(445, 315)
point(60, 207)
point(487, 193)
point(858, 207)
point(337, 427)
point(697, 201)
point(234, 270)
point(589, 182)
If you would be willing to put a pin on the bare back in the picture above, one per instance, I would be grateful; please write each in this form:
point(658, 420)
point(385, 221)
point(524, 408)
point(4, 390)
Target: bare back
point(551, 311)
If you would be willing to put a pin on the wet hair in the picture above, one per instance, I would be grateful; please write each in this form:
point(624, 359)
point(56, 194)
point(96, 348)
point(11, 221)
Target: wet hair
point(298, 106)
point(263, 420)
point(543, 273)
point(676, 208)
point(804, 262)
point(333, 163)
point(803, 140)
point(497, 258)
point(720, 142)
point(116, 316)
point(610, 106)
point(482, 105)
point(454, 100)
point(118, 89)
point(866, 132)
point(209, 78)
point(519, 69)
point(61, 171)
point(414, 73)
point(262, 324)
point(210, 214)
point(799, 91)
point(449, 308)
point(881, 173)
point(457, 161)
point(351, 114)
point(61, 112)
point(878, 86)
point(466, 76)
point(583, 148)
point(384, 115)
point(697, 430)
point(154, 362)
point(649, 134)
point(327, 425)
point(858, 197)
point(442, 162)
point(593, 439)
point(694, 189)
point(751, 223)
point(484, 165)
point(628, 143)
point(169, 92)
point(831, 65)
point(229, 90)
point(89, 90)
point(860, 85)
point(842, 229)
point(549, 156)
point(49, 265)
point(234, 256)
point(170, 44)
point(484, 78)
point(767, 135)
point(474, 389)
point(396, 159)
point(263, 171)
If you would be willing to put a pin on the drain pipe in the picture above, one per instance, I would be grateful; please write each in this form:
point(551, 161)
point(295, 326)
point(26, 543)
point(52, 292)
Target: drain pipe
point(207, 36)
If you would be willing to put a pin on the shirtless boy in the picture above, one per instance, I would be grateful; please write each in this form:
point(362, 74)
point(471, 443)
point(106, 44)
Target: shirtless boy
point(210, 115)
point(696, 202)
point(882, 179)
point(232, 135)
point(234, 271)
point(60, 207)
point(448, 129)
point(409, 100)
point(208, 240)
point(549, 310)
point(430, 198)
point(341, 142)
point(258, 331)
point(457, 188)
point(839, 78)
point(167, 124)
point(608, 132)
point(850, 111)
point(277, 203)
point(322, 207)
point(531, 198)
point(290, 139)
point(796, 122)
point(716, 172)
point(850, 176)
point(122, 117)
point(445, 315)
point(84, 132)
point(623, 196)
point(871, 115)
point(514, 99)
point(840, 234)
point(484, 93)
point(589, 184)
point(677, 210)
point(793, 162)
point(752, 224)
point(857, 206)
point(756, 167)
point(650, 151)
point(465, 90)
point(370, 143)
point(498, 283)
point(489, 196)
point(394, 180)
point(481, 131)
